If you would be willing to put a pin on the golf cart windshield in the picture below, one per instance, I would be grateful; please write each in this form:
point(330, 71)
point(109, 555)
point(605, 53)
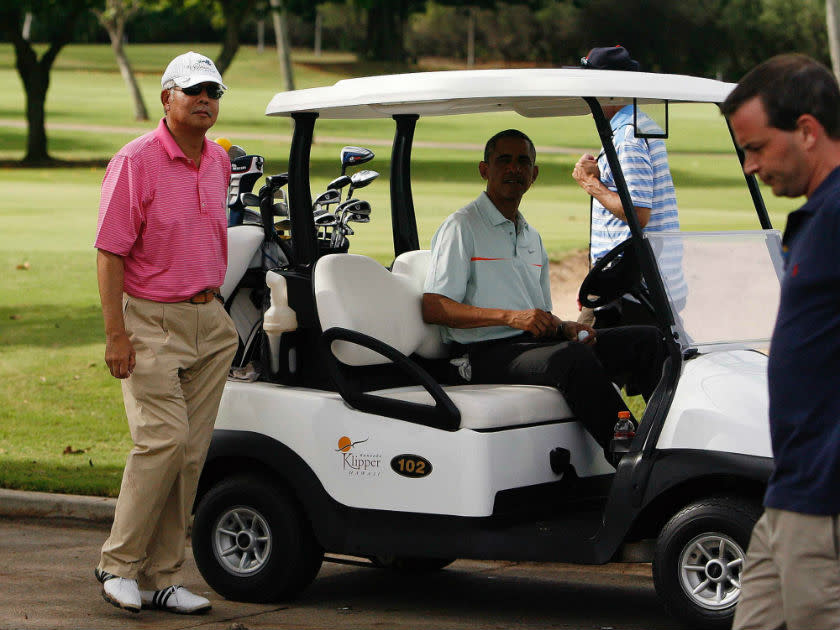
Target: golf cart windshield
point(723, 287)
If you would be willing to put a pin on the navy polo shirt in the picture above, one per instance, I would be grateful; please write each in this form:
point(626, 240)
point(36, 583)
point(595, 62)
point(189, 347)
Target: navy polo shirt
point(804, 365)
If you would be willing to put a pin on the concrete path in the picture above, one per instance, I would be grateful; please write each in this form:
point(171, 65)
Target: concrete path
point(46, 582)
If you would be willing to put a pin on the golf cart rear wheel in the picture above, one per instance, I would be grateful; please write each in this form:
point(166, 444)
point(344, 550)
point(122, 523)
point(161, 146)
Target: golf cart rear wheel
point(252, 542)
point(699, 557)
point(410, 564)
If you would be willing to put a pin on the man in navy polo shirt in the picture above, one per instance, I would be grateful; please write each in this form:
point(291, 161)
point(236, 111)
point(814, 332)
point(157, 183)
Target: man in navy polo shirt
point(785, 114)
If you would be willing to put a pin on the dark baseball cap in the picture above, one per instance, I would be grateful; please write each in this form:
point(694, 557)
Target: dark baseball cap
point(609, 58)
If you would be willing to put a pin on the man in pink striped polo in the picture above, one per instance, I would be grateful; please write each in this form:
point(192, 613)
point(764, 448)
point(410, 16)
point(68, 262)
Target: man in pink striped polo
point(162, 254)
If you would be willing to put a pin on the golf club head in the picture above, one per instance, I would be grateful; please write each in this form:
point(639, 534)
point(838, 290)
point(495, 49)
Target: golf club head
point(248, 199)
point(277, 181)
point(339, 182)
point(325, 220)
point(280, 209)
point(353, 156)
point(354, 206)
point(328, 197)
point(361, 179)
point(358, 218)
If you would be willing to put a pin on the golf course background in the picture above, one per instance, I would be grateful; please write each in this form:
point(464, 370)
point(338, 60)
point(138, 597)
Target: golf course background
point(61, 418)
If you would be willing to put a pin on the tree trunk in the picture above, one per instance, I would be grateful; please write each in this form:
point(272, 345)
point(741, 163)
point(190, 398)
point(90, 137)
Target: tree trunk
point(35, 76)
point(27, 25)
point(35, 73)
point(319, 27)
point(230, 45)
point(470, 37)
point(113, 20)
point(281, 36)
point(127, 73)
point(386, 32)
point(235, 12)
point(36, 82)
point(260, 36)
point(832, 18)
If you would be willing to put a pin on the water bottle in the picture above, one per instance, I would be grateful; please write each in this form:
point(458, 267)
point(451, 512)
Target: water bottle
point(623, 434)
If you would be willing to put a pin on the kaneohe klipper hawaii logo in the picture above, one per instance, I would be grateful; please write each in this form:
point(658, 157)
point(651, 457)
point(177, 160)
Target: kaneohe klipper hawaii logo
point(358, 461)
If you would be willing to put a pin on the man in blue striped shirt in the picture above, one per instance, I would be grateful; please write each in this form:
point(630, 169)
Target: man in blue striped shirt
point(644, 162)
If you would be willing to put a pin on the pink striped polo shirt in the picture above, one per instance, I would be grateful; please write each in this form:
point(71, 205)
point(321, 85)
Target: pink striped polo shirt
point(166, 217)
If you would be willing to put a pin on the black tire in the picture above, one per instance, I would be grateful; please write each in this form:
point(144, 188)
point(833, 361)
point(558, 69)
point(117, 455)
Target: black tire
point(252, 541)
point(722, 527)
point(410, 564)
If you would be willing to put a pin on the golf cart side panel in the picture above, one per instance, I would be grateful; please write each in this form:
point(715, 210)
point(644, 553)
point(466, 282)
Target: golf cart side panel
point(508, 535)
point(721, 404)
point(353, 453)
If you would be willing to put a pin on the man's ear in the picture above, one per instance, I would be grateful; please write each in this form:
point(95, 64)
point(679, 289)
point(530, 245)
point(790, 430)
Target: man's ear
point(811, 130)
point(482, 169)
point(164, 98)
point(536, 172)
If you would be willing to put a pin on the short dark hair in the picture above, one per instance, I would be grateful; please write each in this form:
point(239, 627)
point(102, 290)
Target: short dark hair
point(508, 133)
point(789, 86)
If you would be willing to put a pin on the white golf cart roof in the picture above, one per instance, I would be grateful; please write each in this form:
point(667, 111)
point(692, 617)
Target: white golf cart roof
point(529, 92)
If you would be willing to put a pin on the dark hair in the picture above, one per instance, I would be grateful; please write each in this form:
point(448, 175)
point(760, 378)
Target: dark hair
point(789, 86)
point(508, 133)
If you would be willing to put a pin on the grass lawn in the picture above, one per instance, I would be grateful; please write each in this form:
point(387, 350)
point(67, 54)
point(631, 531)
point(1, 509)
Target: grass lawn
point(61, 417)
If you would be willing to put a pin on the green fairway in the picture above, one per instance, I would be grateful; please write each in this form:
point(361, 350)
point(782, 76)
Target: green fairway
point(61, 415)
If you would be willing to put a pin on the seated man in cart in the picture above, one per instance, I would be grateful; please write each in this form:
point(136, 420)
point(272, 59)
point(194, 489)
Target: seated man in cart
point(488, 286)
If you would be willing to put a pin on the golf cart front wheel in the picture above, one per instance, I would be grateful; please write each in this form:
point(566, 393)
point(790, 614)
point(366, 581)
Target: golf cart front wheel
point(699, 558)
point(252, 542)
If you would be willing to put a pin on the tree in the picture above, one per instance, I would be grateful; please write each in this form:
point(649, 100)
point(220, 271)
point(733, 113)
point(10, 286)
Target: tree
point(57, 17)
point(113, 19)
point(386, 20)
point(234, 14)
point(279, 15)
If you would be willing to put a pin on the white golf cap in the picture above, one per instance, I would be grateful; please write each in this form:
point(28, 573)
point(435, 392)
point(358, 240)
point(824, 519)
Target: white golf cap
point(191, 69)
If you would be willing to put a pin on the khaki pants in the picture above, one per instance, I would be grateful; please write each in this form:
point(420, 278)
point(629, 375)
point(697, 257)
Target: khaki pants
point(184, 352)
point(791, 576)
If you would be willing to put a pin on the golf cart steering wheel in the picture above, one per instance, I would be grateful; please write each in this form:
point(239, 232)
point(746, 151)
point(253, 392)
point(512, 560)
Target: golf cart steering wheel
point(615, 274)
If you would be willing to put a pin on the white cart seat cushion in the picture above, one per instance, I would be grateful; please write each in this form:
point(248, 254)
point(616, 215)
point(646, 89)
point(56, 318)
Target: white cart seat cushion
point(357, 293)
point(414, 265)
point(494, 406)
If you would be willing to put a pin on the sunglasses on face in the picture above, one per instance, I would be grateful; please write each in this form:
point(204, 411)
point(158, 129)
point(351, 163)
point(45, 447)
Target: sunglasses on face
point(213, 90)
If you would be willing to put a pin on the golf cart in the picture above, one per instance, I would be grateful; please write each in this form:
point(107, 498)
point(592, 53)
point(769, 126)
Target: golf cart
point(357, 441)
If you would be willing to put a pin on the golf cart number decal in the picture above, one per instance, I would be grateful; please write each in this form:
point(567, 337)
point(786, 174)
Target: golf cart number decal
point(411, 466)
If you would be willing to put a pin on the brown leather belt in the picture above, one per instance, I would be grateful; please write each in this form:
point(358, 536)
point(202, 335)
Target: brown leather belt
point(203, 297)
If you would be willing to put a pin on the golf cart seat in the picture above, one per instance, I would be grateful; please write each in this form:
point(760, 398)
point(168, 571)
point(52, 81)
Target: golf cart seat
point(372, 317)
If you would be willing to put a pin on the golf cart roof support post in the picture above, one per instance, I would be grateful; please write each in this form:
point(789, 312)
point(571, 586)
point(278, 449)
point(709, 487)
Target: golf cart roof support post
point(403, 220)
point(645, 256)
point(752, 185)
point(305, 241)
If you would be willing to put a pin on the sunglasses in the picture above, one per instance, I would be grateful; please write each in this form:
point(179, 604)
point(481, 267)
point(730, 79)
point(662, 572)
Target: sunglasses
point(213, 90)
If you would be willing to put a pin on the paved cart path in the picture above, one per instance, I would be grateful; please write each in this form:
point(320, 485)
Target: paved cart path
point(47, 582)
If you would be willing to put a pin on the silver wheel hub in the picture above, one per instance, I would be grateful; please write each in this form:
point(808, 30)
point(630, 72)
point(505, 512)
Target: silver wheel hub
point(710, 570)
point(242, 541)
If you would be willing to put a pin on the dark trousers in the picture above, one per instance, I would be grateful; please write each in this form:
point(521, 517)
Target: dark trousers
point(630, 355)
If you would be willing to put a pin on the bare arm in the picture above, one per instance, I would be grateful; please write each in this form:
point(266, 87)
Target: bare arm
point(119, 353)
point(588, 177)
point(439, 309)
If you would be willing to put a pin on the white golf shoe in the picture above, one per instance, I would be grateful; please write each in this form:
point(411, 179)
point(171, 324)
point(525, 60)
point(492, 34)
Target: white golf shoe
point(175, 599)
point(122, 593)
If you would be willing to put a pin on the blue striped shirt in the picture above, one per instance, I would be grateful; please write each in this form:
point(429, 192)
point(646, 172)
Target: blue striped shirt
point(644, 163)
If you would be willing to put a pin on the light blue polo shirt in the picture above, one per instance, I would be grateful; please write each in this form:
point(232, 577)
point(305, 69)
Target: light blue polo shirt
point(483, 259)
